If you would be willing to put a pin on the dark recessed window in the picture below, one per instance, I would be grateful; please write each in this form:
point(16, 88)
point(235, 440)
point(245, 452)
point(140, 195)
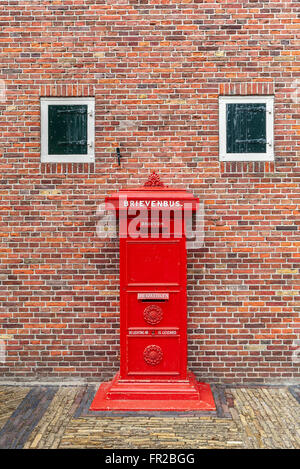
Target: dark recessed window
point(246, 128)
point(67, 130)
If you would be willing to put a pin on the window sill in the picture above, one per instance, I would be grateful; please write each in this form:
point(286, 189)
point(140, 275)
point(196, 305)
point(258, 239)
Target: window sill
point(246, 157)
point(67, 158)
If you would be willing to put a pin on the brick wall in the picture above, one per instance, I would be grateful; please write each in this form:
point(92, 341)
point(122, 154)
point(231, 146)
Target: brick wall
point(156, 69)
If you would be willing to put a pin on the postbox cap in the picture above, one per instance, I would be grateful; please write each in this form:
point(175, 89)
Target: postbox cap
point(153, 194)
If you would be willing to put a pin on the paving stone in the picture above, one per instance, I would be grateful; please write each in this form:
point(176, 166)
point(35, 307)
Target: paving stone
point(58, 417)
point(10, 398)
point(50, 428)
point(18, 427)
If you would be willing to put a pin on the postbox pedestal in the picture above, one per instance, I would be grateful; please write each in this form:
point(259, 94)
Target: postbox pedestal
point(153, 304)
point(181, 395)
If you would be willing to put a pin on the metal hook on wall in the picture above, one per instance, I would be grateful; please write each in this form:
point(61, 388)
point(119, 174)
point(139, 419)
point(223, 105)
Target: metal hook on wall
point(119, 156)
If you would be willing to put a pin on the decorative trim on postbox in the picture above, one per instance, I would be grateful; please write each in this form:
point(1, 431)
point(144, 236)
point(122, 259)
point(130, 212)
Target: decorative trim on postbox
point(153, 355)
point(153, 314)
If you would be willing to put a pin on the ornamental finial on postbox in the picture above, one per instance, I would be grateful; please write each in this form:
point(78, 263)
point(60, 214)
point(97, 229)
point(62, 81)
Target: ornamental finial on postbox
point(154, 181)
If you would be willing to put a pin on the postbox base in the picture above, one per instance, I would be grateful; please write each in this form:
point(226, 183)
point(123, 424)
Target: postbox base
point(181, 395)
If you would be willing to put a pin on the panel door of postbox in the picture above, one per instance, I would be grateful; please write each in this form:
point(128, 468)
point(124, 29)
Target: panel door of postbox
point(155, 356)
point(159, 309)
point(153, 308)
point(153, 262)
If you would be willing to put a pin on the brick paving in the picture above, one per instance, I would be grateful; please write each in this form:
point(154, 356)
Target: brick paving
point(59, 417)
point(10, 398)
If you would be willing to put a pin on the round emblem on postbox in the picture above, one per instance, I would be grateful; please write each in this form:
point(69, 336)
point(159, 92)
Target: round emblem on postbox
point(153, 354)
point(153, 314)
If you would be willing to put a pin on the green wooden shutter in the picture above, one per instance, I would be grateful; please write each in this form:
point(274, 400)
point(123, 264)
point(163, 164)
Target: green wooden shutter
point(67, 129)
point(246, 127)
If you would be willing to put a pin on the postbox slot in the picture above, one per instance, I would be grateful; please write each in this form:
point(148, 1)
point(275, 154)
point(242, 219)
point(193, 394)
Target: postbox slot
point(154, 300)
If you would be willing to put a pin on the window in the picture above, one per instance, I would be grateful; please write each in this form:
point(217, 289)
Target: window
point(246, 128)
point(67, 130)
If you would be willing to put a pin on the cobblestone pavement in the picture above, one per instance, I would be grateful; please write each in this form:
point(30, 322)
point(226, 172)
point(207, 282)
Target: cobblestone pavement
point(58, 417)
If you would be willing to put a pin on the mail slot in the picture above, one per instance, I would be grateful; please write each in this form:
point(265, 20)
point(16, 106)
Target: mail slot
point(153, 303)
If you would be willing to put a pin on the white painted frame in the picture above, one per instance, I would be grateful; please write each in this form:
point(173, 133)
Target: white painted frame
point(269, 155)
point(89, 157)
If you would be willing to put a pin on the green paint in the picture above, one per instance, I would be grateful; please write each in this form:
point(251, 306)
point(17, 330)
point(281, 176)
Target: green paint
point(246, 128)
point(67, 129)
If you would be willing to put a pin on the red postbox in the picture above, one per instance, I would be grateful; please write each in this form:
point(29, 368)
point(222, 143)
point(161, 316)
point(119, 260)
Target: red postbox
point(153, 313)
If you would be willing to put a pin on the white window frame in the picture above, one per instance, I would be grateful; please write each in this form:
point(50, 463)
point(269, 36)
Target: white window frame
point(269, 155)
point(89, 157)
